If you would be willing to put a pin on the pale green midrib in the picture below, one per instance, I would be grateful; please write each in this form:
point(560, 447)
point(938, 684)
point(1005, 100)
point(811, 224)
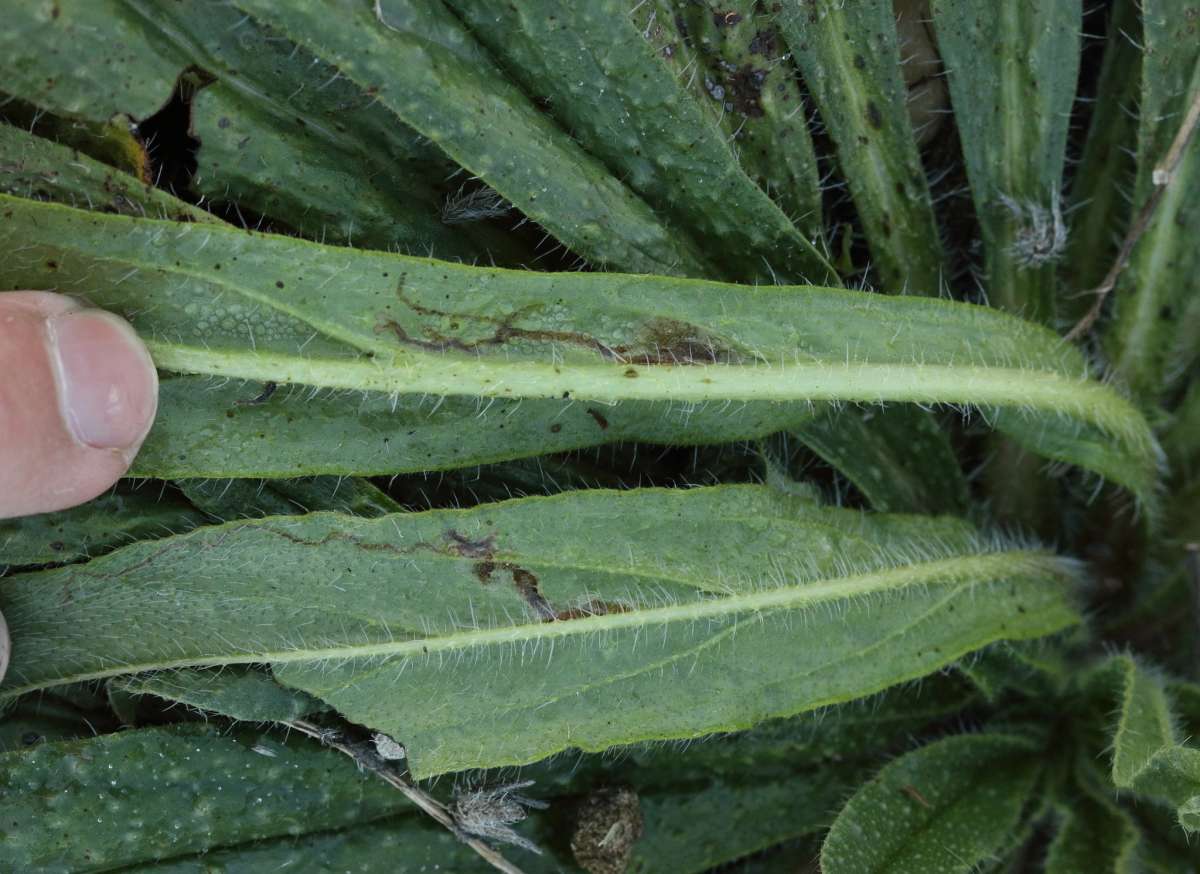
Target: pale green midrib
point(818, 381)
point(951, 571)
point(1010, 90)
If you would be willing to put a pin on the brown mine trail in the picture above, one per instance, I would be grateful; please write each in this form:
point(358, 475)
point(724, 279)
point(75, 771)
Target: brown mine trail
point(524, 580)
point(664, 341)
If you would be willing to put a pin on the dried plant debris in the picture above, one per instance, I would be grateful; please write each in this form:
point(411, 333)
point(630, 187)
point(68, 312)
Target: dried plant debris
point(607, 824)
point(491, 813)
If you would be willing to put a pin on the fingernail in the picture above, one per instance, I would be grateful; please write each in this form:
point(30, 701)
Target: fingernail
point(4, 647)
point(107, 385)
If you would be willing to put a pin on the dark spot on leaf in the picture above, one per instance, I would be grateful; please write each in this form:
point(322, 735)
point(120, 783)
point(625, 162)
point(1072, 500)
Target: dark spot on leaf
point(462, 545)
point(599, 417)
point(763, 42)
point(555, 428)
point(873, 115)
point(262, 397)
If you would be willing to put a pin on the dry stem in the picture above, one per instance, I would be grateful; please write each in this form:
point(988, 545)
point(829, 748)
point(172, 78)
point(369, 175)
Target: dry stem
point(1163, 175)
point(367, 759)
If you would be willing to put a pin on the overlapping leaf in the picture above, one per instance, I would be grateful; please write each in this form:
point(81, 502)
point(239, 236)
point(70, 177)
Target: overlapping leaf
point(944, 808)
point(278, 131)
point(1149, 755)
point(519, 638)
point(1155, 332)
point(1013, 69)
point(227, 302)
point(850, 58)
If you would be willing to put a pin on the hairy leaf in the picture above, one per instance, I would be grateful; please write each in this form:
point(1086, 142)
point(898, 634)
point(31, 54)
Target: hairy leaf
point(400, 844)
point(254, 306)
point(850, 58)
point(1155, 332)
point(64, 713)
point(208, 428)
point(734, 62)
point(420, 62)
point(238, 691)
point(1099, 188)
point(646, 127)
point(863, 445)
point(1148, 754)
point(128, 513)
point(38, 168)
point(944, 808)
point(1093, 834)
point(139, 796)
point(278, 131)
point(516, 635)
point(1013, 68)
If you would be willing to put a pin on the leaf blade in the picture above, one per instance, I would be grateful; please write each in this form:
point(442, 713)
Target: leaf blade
point(522, 334)
point(943, 808)
point(371, 625)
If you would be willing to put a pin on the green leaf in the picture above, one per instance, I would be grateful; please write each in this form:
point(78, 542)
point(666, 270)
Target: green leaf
point(65, 713)
point(850, 59)
point(1155, 330)
point(114, 141)
point(275, 309)
point(865, 446)
point(1148, 755)
point(418, 60)
point(140, 796)
point(278, 132)
point(1093, 833)
point(395, 845)
point(1041, 667)
point(664, 147)
point(127, 513)
point(1182, 438)
point(37, 168)
point(238, 691)
point(735, 64)
point(724, 822)
point(243, 498)
point(1100, 205)
point(1013, 68)
point(353, 495)
point(691, 597)
point(943, 808)
point(206, 429)
point(225, 500)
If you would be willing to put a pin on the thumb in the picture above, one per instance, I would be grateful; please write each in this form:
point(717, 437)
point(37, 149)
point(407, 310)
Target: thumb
point(78, 393)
